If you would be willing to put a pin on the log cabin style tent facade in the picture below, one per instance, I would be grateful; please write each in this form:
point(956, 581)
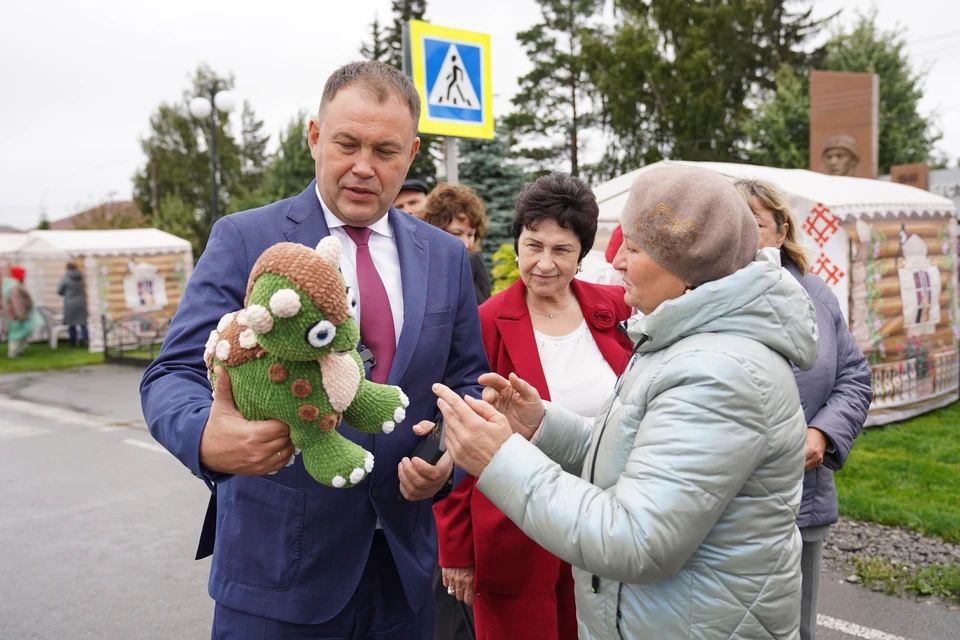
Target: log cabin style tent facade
point(889, 253)
point(127, 272)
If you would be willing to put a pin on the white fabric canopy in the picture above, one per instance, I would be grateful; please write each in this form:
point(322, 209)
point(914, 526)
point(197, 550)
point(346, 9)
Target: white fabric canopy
point(845, 197)
point(10, 242)
point(54, 244)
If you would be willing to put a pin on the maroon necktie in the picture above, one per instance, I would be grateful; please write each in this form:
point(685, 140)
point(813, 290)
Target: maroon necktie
point(376, 318)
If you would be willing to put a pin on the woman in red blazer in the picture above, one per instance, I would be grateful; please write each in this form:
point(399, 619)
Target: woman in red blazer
point(560, 335)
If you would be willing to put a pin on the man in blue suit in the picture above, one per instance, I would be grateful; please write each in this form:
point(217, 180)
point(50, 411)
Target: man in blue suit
point(293, 558)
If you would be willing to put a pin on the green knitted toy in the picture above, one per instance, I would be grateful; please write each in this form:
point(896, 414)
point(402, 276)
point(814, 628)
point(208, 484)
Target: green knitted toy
point(292, 356)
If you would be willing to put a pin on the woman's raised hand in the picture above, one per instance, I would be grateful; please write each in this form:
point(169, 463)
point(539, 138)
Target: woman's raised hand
point(516, 399)
point(475, 431)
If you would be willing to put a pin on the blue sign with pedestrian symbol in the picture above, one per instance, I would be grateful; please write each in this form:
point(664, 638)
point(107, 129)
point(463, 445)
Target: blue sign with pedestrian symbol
point(451, 70)
point(453, 74)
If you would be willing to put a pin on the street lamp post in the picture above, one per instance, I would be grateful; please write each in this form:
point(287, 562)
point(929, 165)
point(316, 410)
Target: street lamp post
point(207, 106)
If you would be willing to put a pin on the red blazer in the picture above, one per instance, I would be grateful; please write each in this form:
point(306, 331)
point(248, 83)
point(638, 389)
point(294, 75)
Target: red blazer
point(471, 530)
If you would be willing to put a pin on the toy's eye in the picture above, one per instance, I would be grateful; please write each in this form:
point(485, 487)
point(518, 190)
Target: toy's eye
point(351, 303)
point(321, 334)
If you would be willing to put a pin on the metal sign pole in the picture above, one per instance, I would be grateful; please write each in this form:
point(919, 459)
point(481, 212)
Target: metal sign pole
point(406, 65)
point(450, 152)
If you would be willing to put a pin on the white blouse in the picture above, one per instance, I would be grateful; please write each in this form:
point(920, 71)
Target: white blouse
point(578, 376)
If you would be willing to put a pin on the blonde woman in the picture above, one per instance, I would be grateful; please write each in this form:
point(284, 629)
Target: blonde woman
point(835, 394)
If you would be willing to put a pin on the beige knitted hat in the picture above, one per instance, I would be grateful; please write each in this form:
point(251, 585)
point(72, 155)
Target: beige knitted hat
point(692, 222)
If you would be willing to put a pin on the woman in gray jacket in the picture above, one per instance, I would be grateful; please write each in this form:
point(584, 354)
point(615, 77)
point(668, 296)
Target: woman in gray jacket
point(74, 303)
point(678, 507)
point(835, 394)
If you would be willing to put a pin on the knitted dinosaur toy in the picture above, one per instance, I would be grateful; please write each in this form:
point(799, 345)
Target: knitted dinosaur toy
point(291, 354)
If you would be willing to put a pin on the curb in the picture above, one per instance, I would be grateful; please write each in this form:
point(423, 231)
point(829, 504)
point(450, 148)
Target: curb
point(66, 414)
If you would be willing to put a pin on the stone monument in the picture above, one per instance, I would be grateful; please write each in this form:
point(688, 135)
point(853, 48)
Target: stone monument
point(844, 123)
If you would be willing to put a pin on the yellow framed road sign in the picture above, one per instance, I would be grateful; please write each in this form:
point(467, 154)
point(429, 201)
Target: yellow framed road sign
point(451, 70)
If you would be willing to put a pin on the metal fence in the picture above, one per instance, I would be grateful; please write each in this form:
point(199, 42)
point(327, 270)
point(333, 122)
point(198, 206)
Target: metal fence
point(134, 339)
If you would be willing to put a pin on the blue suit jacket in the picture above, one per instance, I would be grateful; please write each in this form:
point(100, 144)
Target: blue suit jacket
point(288, 548)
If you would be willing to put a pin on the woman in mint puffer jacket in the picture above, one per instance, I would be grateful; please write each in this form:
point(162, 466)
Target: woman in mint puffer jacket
point(678, 507)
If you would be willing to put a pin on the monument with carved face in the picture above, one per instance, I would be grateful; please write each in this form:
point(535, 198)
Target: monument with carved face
point(841, 155)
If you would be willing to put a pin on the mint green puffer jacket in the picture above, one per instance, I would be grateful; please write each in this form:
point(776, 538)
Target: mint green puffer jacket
point(678, 508)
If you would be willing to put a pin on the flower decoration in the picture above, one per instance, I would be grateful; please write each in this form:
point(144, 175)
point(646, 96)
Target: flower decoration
point(603, 318)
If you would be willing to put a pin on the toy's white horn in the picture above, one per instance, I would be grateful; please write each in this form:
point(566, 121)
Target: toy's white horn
point(329, 249)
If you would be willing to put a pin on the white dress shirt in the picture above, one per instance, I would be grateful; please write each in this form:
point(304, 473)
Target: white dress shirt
point(383, 250)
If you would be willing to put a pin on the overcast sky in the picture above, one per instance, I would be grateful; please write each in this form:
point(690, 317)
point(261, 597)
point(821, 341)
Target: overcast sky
point(79, 79)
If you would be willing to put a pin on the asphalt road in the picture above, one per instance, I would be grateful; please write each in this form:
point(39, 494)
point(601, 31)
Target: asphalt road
point(98, 527)
point(844, 606)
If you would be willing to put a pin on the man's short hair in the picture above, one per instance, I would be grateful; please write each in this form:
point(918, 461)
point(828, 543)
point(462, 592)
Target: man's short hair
point(378, 79)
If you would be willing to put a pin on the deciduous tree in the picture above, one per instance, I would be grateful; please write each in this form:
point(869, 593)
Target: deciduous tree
point(781, 128)
point(678, 80)
point(178, 161)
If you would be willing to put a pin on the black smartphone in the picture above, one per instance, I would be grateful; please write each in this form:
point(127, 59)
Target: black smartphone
point(433, 445)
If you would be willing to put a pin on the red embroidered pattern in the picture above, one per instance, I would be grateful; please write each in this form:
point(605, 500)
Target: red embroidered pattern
point(820, 225)
point(830, 272)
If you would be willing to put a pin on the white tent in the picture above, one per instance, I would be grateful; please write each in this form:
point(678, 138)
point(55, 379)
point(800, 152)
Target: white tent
point(113, 242)
point(11, 242)
point(126, 271)
point(846, 197)
point(889, 253)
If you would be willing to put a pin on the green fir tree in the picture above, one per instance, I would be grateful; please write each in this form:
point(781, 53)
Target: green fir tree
point(290, 171)
point(486, 166)
point(377, 48)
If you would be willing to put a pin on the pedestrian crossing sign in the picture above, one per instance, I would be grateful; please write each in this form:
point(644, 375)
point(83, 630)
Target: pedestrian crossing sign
point(451, 70)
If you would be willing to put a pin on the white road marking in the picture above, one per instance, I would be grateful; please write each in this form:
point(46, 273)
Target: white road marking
point(149, 446)
point(13, 431)
point(854, 629)
point(57, 414)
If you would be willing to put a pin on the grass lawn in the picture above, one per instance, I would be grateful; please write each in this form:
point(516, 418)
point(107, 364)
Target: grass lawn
point(943, 582)
point(40, 357)
point(907, 474)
